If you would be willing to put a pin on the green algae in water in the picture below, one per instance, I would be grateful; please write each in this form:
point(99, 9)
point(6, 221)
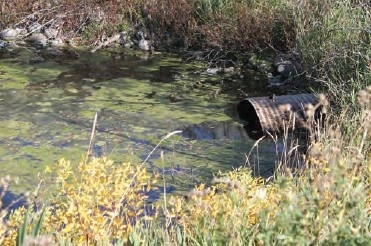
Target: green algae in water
point(14, 76)
point(29, 161)
point(11, 128)
point(138, 100)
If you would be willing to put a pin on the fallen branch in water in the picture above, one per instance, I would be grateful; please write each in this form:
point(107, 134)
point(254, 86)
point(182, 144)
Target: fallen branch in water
point(112, 39)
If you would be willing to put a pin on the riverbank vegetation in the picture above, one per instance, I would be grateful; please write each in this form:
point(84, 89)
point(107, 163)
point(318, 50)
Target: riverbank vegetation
point(325, 201)
point(198, 24)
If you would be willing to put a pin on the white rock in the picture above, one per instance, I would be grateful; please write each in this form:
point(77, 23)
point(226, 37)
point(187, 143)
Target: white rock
point(12, 33)
point(213, 71)
point(123, 38)
point(37, 37)
point(228, 69)
point(51, 32)
point(2, 44)
point(56, 42)
point(38, 40)
point(54, 52)
point(145, 45)
point(34, 27)
point(128, 44)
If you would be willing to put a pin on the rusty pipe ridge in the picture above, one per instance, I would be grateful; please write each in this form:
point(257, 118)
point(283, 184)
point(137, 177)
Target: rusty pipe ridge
point(272, 113)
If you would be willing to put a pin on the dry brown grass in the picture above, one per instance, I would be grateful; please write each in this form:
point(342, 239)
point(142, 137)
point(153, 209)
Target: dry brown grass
point(72, 18)
point(228, 25)
point(232, 26)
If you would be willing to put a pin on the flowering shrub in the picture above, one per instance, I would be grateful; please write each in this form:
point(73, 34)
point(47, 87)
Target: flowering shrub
point(97, 202)
point(234, 203)
point(326, 201)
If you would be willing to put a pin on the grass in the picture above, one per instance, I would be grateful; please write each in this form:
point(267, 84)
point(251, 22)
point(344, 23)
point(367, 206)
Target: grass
point(206, 24)
point(325, 200)
point(334, 45)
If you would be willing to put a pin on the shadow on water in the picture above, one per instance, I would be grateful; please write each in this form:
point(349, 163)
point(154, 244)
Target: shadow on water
point(10, 201)
point(215, 130)
point(47, 109)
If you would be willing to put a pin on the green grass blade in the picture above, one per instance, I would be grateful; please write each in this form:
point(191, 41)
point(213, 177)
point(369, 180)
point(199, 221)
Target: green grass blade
point(36, 230)
point(22, 230)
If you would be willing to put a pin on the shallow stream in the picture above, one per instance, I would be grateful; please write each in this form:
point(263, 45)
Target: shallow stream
point(47, 107)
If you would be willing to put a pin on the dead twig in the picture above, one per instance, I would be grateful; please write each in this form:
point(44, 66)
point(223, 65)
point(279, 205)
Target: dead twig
point(112, 39)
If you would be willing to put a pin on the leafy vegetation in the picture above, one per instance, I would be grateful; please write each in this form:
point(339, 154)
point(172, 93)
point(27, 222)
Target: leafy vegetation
point(201, 24)
point(333, 39)
point(97, 202)
point(326, 201)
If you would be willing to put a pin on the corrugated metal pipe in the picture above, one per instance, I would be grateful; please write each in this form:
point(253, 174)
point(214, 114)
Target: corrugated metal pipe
point(274, 114)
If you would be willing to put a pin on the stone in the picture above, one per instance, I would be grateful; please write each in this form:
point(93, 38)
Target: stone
point(51, 32)
point(145, 45)
point(286, 69)
point(34, 27)
point(37, 37)
point(128, 44)
point(274, 80)
point(38, 40)
point(286, 65)
point(123, 38)
point(58, 42)
point(2, 45)
point(12, 33)
point(228, 70)
point(213, 71)
point(54, 53)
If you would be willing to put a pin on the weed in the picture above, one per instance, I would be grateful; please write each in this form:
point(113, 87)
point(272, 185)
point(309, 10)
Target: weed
point(334, 43)
point(326, 202)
